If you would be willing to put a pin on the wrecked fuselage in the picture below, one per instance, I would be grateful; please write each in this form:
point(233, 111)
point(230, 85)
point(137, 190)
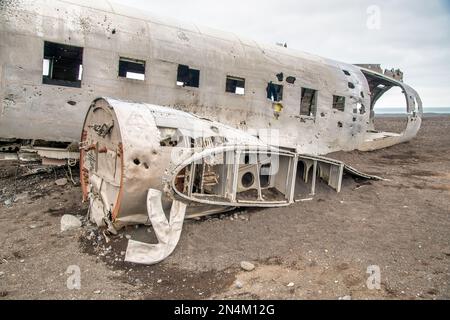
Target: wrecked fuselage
point(140, 160)
point(57, 56)
point(227, 122)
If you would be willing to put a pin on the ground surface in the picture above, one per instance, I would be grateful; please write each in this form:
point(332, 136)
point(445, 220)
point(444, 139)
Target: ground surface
point(322, 248)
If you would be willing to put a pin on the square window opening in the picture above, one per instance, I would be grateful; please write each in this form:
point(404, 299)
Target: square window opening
point(339, 103)
point(132, 69)
point(62, 65)
point(274, 92)
point(187, 77)
point(235, 85)
point(308, 102)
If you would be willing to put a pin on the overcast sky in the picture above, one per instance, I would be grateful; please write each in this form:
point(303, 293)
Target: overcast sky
point(413, 35)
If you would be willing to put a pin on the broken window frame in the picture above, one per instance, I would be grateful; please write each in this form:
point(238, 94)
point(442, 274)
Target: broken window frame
point(312, 106)
point(188, 77)
point(69, 70)
point(232, 85)
point(130, 68)
point(274, 92)
point(359, 108)
point(338, 103)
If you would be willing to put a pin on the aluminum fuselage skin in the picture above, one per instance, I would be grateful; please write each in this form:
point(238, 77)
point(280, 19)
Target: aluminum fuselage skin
point(30, 109)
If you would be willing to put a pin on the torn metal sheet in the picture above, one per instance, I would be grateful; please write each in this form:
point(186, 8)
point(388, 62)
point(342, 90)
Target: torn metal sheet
point(207, 165)
point(167, 231)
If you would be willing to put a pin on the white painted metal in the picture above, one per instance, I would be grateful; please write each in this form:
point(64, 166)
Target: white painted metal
point(30, 109)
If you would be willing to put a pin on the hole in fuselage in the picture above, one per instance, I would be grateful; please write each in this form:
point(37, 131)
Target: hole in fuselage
point(247, 180)
point(136, 161)
point(264, 177)
point(390, 111)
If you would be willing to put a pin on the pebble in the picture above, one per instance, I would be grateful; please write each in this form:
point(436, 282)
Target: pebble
point(290, 284)
point(69, 222)
point(247, 266)
point(128, 236)
point(61, 182)
point(238, 284)
point(97, 291)
point(33, 226)
point(8, 202)
point(345, 298)
point(159, 281)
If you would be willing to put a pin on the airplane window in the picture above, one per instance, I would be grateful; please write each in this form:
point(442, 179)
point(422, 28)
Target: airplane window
point(308, 102)
point(291, 79)
point(235, 85)
point(132, 69)
point(274, 92)
point(188, 77)
point(339, 103)
point(62, 65)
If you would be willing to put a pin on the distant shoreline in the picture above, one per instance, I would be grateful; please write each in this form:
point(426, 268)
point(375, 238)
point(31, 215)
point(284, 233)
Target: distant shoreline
point(425, 115)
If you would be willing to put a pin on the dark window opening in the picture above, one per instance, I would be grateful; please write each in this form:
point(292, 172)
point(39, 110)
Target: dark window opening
point(188, 77)
point(339, 103)
point(235, 85)
point(280, 76)
point(274, 92)
point(308, 102)
point(346, 72)
point(291, 79)
point(62, 65)
point(351, 85)
point(132, 68)
point(264, 176)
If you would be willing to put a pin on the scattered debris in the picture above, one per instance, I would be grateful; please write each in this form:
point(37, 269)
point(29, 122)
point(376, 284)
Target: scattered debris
point(69, 222)
point(247, 266)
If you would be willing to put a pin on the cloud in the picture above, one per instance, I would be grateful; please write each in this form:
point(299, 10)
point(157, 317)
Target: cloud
point(413, 34)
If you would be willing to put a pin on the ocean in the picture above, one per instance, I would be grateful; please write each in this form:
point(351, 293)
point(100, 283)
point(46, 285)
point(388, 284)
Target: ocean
point(397, 110)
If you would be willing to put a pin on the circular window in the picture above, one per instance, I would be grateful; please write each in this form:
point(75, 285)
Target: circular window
point(247, 180)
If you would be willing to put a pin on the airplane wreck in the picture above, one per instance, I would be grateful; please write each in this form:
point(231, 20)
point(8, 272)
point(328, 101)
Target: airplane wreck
point(190, 120)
